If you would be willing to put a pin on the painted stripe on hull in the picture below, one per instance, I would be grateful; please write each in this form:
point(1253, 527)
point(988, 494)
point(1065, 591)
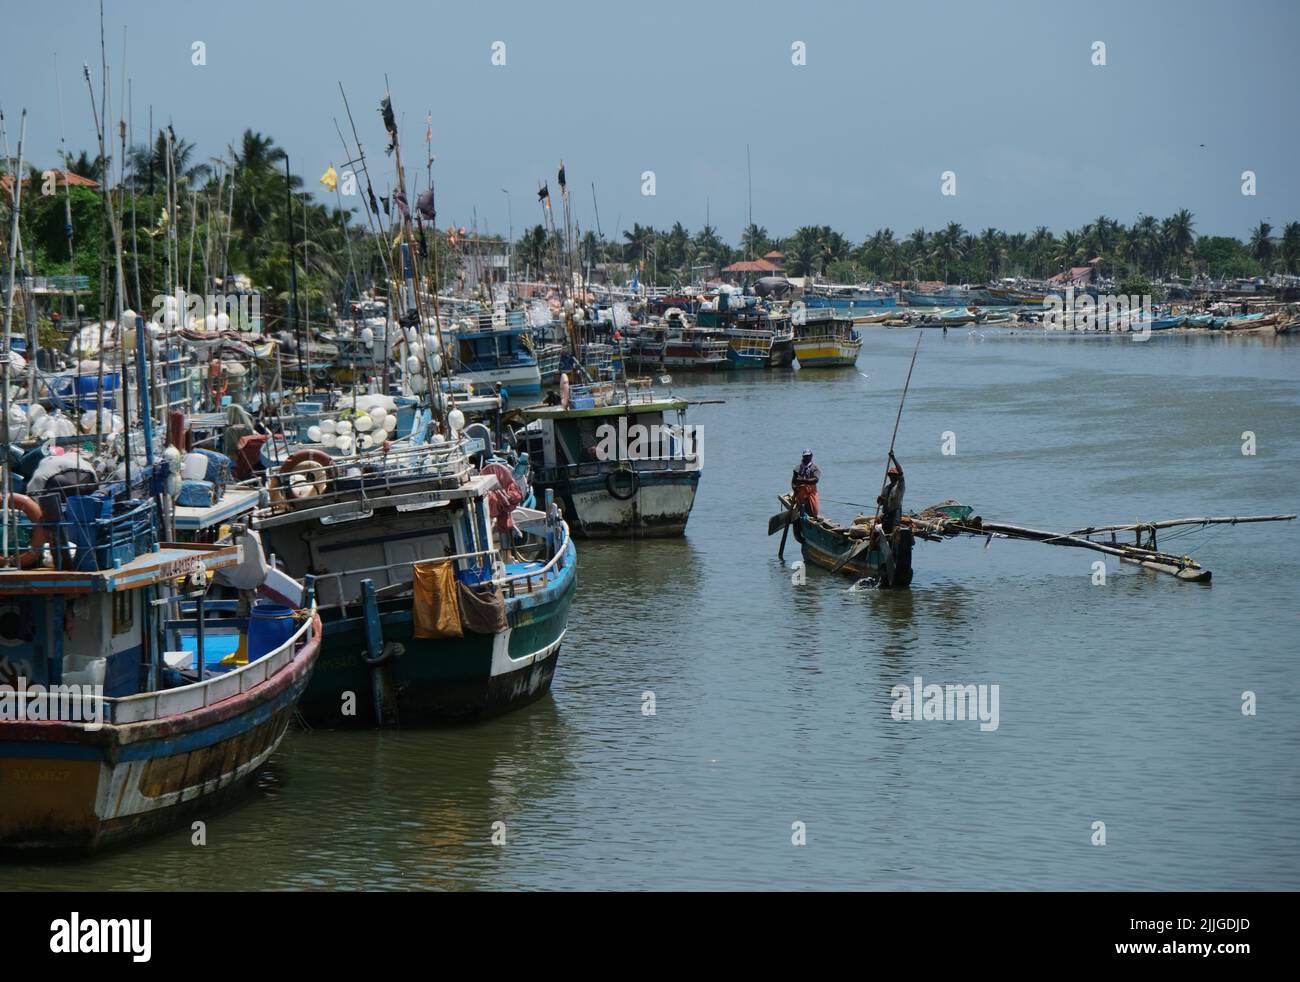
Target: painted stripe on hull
point(78, 796)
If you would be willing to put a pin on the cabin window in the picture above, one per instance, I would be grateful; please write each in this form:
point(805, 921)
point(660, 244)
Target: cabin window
point(123, 611)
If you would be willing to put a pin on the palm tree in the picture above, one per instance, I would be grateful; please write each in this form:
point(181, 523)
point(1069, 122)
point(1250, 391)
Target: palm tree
point(1291, 247)
point(710, 248)
point(532, 247)
point(1145, 244)
point(639, 240)
point(1261, 244)
point(754, 241)
point(948, 246)
point(86, 166)
point(1177, 238)
point(149, 164)
point(991, 241)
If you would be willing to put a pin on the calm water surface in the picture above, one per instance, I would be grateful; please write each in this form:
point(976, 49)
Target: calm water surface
point(1118, 703)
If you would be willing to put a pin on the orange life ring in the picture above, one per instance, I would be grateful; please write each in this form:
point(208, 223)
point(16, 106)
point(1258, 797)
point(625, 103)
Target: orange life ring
point(36, 554)
point(317, 462)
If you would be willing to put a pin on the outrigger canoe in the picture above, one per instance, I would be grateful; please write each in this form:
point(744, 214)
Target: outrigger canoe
point(860, 549)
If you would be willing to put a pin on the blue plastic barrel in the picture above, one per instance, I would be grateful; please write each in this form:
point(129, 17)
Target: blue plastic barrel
point(269, 626)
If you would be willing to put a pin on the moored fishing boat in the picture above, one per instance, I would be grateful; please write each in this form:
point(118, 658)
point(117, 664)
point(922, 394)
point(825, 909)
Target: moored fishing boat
point(673, 343)
point(411, 528)
point(612, 462)
point(822, 339)
point(129, 706)
point(496, 349)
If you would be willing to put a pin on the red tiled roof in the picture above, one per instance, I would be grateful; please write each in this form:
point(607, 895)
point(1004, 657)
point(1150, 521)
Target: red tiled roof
point(756, 266)
point(63, 178)
point(1075, 274)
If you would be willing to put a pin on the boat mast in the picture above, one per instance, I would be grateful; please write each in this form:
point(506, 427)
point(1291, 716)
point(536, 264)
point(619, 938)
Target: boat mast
point(293, 282)
point(15, 203)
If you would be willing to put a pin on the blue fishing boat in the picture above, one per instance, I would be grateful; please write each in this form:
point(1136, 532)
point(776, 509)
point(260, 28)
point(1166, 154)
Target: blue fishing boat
point(850, 298)
point(496, 348)
point(132, 694)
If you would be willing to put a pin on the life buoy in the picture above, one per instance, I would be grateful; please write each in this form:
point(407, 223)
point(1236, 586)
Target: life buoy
point(34, 555)
point(316, 469)
point(612, 487)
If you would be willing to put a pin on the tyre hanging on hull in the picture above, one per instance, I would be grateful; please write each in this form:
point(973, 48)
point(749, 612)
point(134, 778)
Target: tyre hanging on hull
point(632, 486)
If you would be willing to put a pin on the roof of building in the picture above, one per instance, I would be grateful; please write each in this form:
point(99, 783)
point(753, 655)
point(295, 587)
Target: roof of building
point(63, 178)
point(1075, 273)
point(753, 266)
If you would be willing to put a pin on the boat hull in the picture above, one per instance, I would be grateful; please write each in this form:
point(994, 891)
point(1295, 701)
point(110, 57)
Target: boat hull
point(67, 788)
point(523, 380)
point(659, 507)
point(445, 681)
point(825, 544)
point(827, 352)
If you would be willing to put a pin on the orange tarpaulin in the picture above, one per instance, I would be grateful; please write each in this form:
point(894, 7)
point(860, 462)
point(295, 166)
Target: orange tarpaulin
point(436, 606)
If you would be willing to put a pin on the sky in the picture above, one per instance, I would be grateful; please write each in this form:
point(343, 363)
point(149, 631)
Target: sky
point(1004, 95)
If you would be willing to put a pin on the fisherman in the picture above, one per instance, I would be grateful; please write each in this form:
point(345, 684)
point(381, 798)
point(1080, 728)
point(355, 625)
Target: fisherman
point(891, 499)
point(803, 484)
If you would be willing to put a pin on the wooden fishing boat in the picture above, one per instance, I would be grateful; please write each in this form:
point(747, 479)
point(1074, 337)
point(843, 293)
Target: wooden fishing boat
point(674, 344)
point(128, 720)
point(860, 549)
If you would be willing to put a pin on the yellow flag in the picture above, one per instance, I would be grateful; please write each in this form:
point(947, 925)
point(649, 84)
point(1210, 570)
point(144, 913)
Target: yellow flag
point(330, 178)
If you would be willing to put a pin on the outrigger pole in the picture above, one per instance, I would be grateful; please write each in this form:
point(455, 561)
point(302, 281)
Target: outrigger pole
point(899, 417)
point(866, 543)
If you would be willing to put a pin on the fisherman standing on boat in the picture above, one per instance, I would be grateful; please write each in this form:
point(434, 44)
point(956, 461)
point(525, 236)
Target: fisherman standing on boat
point(891, 499)
point(804, 484)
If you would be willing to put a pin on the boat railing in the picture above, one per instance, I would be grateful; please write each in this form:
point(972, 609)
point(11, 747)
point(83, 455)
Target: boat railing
point(514, 582)
point(402, 477)
point(96, 533)
point(633, 391)
point(121, 710)
point(338, 575)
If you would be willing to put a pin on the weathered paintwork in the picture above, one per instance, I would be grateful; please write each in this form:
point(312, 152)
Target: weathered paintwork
point(71, 787)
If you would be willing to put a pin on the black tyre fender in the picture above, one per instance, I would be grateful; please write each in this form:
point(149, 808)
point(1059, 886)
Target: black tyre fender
point(611, 484)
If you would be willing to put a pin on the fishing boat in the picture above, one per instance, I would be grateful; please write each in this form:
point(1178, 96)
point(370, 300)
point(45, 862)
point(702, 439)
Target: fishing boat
point(860, 549)
point(132, 698)
point(674, 343)
point(757, 336)
point(612, 462)
point(850, 298)
point(495, 351)
point(823, 339)
point(411, 527)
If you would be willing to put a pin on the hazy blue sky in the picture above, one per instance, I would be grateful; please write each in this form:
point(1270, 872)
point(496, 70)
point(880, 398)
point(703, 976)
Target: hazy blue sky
point(1003, 94)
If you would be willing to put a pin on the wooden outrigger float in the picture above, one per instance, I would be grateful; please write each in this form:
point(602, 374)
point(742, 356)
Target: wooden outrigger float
point(1142, 552)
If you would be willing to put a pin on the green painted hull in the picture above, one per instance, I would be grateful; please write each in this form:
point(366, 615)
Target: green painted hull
point(445, 681)
point(825, 546)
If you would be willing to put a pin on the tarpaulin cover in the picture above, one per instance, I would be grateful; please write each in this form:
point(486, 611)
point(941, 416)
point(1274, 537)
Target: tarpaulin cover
point(436, 608)
point(482, 613)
